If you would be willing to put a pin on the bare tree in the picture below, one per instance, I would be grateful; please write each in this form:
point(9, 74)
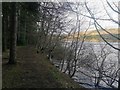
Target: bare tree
point(73, 44)
point(96, 66)
point(97, 25)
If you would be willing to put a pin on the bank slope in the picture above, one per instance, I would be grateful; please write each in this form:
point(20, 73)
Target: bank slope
point(34, 71)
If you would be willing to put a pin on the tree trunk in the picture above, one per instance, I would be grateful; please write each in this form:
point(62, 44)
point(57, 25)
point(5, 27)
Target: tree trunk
point(3, 34)
point(4, 31)
point(119, 44)
point(13, 33)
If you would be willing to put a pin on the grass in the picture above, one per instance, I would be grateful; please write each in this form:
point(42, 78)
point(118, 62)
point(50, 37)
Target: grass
point(33, 71)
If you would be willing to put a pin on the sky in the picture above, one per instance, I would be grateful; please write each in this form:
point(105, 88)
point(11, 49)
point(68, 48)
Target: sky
point(99, 5)
point(98, 9)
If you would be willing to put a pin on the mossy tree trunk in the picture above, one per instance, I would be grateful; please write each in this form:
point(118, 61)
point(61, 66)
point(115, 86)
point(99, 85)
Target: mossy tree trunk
point(5, 9)
point(13, 33)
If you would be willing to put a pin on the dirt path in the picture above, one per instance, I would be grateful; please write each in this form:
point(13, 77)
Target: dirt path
point(33, 71)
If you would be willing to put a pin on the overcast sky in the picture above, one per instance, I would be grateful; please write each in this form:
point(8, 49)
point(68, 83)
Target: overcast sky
point(98, 7)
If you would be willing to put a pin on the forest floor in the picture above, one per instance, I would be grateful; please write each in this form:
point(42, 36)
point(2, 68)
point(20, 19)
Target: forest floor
point(33, 71)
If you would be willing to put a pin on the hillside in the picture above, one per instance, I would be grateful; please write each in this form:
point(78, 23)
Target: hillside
point(33, 71)
point(94, 32)
point(93, 35)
